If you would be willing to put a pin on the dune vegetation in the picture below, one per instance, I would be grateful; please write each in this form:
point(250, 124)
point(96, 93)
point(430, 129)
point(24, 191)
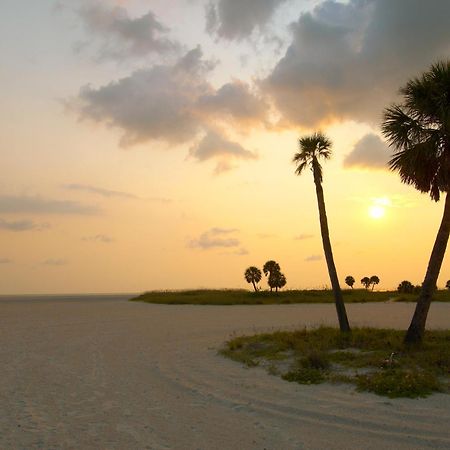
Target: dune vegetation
point(244, 297)
point(374, 360)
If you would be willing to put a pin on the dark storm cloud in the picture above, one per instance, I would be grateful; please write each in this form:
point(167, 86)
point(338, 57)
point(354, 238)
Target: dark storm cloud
point(38, 205)
point(370, 152)
point(237, 19)
point(347, 60)
point(121, 36)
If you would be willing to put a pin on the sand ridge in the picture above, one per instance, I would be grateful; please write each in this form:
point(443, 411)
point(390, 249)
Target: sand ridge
point(111, 374)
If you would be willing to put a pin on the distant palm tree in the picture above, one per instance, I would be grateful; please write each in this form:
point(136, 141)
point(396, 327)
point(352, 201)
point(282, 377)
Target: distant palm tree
point(405, 287)
point(277, 280)
point(269, 268)
point(349, 281)
point(312, 148)
point(253, 275)
point(419, 132)
point(365, 282)
point(447, 285)
point(374, 280)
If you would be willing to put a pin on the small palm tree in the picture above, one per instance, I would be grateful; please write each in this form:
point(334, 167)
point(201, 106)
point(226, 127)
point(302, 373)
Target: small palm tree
point(312, 149)
point(349, 281)
point(365, 282)
point(419, 132)
point(253, 275)
point(277, 280)
point(447, 285)
point(269, 268)
point(374, 280)
point(405, 287)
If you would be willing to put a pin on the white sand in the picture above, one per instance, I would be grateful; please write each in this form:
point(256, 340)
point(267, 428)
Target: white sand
point(111, 374)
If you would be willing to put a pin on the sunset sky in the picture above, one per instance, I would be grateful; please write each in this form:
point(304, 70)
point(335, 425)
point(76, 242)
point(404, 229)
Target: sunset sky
point(148, 144)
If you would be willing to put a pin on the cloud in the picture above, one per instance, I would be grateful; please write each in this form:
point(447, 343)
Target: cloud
point(313, 258)
point(6, 261)
point(215, 238)
point(241, 252)
point(22, 225)
point(123, 37)
point(175, 104)
point(154, 104)
point(237, 19)
point(236, 102)
point(100, 191)
point(37, 205)
point(103, 238)
point(302, 237)
point(213, 145)
point(347, 60)
point(54, 262)
point(370, 152)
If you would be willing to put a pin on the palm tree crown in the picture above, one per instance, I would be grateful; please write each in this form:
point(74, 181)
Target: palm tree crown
point(312, 148)
point(419, 131)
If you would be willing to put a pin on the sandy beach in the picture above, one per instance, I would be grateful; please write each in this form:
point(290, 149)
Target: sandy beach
point(105, 373)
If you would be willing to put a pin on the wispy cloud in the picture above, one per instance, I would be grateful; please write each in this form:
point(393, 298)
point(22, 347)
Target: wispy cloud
point(103, 238)
point(22, 225)
point(38, 205)
point(313, 258)
point(6, 261)
point(215, 238)
point(303, 237)
point(55, 262)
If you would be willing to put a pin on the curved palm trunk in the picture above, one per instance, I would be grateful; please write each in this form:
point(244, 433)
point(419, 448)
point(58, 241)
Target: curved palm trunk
point(339, 301)
point(254, 285)
point(417, 327)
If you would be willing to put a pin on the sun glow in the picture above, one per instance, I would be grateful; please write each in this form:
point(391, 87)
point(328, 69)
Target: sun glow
point(378, 208)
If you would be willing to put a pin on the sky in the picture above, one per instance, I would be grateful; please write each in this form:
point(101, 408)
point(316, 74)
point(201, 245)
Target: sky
point(148, 144)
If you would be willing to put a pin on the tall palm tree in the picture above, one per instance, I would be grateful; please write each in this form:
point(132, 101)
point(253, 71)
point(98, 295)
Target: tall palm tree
point(253, 275)
point(419, 132)
point(312, 149)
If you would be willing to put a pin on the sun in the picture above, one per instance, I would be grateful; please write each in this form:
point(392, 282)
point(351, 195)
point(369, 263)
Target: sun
point(377, 211)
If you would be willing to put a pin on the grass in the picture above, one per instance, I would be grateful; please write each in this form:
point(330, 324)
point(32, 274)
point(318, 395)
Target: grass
point(245, 297)
point(361, 358)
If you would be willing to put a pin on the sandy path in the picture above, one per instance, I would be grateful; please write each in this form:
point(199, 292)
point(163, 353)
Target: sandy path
point(111, 374)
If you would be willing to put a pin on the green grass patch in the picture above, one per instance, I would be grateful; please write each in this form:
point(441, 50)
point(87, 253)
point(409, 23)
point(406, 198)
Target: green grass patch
point(374, 360)
point(245, 297)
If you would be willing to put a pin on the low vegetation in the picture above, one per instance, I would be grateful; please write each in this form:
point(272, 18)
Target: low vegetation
point(244, 297)
point(374, 360)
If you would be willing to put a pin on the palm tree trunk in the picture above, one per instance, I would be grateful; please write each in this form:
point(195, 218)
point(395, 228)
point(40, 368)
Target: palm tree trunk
point(339, 301)
point(417, 327)
point(254, 286)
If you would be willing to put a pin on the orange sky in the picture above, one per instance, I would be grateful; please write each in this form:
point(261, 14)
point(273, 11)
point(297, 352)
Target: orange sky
point(149, 147)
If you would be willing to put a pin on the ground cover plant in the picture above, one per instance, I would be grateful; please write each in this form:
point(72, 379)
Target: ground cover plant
point(374, 360)
point(244, 297)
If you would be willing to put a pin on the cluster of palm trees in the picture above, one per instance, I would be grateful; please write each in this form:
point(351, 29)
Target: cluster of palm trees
point(367, 282)
point(275, 278)
point(418, 130)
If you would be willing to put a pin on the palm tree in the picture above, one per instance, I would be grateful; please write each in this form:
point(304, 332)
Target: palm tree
point(365, 282)
point(447, 285)
point(269, 268)
point(276, 280)
point(312, 148)
point(419, 132)
point(253, 275)
point(349, 281)
point(405, 287)
point(374, 280)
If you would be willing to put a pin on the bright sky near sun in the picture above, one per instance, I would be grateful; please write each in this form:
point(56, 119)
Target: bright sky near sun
point(147, 144)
